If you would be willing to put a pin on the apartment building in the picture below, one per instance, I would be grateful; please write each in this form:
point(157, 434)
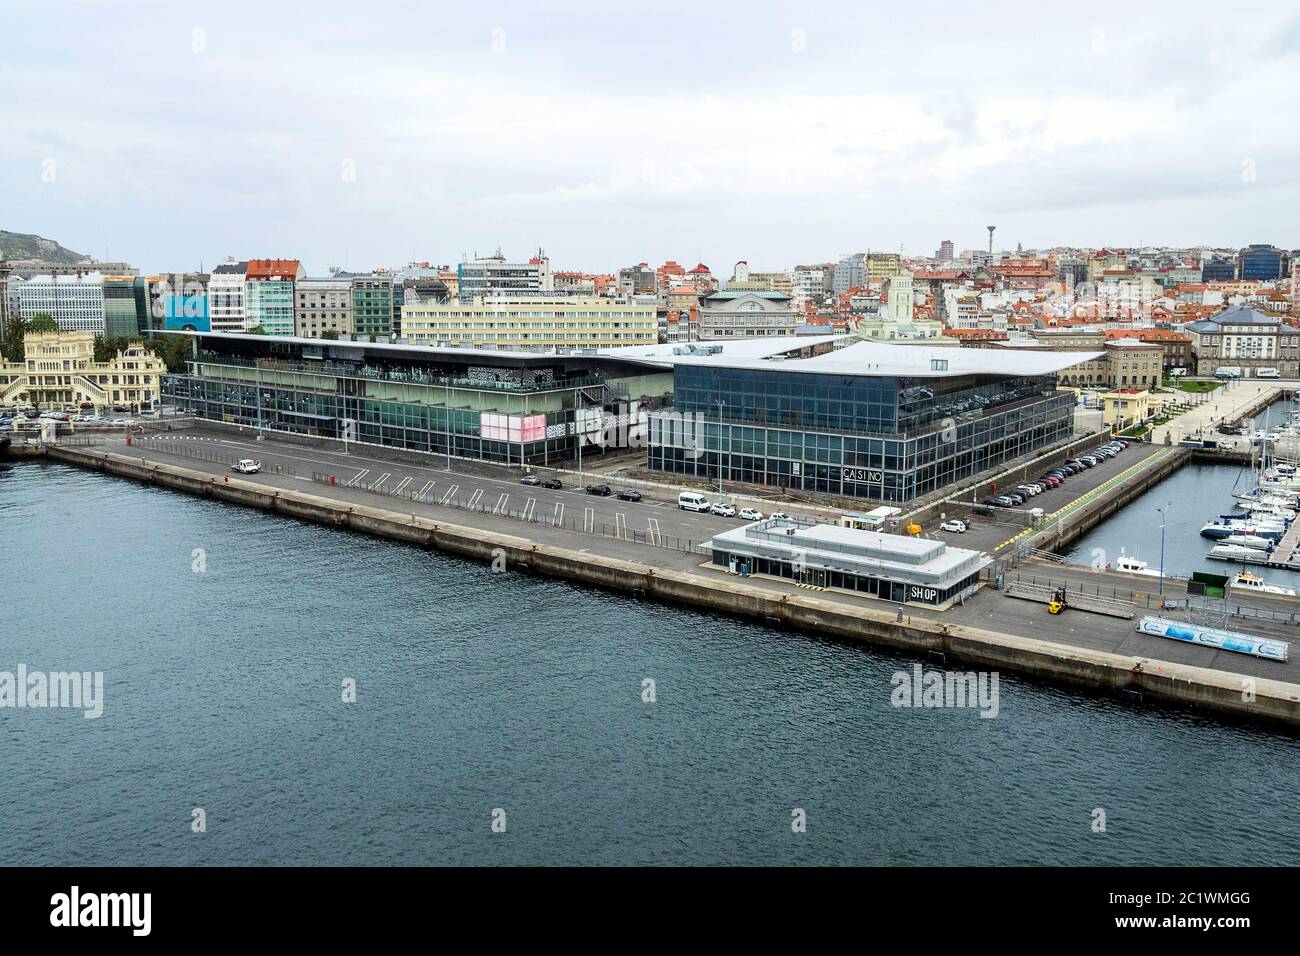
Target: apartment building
point(268, 294)
point(523, 321)
point(226, 307)
point(323, 305)
point(883, 265)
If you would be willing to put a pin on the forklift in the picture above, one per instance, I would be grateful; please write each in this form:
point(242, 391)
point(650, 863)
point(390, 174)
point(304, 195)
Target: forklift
point(1058, 603)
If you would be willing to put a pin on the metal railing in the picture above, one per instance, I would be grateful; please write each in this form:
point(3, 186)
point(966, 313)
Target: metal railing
point(1150, 598)
point(198, 451)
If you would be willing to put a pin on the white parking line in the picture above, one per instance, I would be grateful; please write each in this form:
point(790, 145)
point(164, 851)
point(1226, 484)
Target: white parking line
point(451, 492)
point(528, 509)
point(653, 531)
point(558, 518)
point(420, 495)
point(620, 525)
point(589, 520)
point(380, 481)
point(356, 479)
point(404, 483)
point(501, 505)
point(473, 499)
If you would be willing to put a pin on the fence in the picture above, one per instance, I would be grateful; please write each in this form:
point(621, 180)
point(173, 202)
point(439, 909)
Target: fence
point(197, 451)
point(1147, 599)
point(528, 515)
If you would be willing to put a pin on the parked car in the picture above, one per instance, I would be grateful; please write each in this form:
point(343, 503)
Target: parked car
point(530, 480)
point(779, 514)
point(628, 496)
point(751, 514)
point(693, 501)
point(603, 491)
point(1050, 481)
point(723, 509)
point(953, 525)
point(552, 483)
point(1016, 497)
point(247, 466)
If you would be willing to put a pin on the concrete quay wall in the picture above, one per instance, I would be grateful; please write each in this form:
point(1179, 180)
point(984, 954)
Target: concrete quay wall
point(1259, 700)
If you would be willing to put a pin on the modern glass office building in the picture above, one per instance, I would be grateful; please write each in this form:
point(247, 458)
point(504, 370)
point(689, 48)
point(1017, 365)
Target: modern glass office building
point(1263, 262)
point(882, 422)
point(508, 407)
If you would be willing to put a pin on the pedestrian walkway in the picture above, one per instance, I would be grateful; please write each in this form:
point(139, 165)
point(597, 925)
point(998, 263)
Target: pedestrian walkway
point(1233, 401)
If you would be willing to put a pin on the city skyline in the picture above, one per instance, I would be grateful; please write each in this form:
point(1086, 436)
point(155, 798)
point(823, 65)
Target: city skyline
point(412, 137)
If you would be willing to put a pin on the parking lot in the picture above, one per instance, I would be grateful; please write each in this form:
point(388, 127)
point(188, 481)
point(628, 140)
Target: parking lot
point(990, 528)
point(462, 487)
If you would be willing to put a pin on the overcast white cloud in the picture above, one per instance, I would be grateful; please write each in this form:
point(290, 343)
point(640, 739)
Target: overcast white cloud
point(370, 134)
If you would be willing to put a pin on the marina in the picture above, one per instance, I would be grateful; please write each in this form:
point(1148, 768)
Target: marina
point(1252, 522)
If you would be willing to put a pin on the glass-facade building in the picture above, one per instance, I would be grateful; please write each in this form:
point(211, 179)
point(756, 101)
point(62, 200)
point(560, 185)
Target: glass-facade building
point(1261, 262)
point(880, 437)
point(372, 305)
point(518, 410)
point(122, 306)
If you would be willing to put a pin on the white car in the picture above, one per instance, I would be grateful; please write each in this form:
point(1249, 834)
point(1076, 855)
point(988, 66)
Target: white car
point(952, 524)
point(247, 466)
point(751, 514)
point(779, 515)
point(723, 509)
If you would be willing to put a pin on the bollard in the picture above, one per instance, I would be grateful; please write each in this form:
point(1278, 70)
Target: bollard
point(331, 479)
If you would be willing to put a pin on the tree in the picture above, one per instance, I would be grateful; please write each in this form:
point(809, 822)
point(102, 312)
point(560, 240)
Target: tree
point(330, 334)
point(106, 349)
point(42, 322)
point(12, 347)
point(255, 330)
point(174, 350)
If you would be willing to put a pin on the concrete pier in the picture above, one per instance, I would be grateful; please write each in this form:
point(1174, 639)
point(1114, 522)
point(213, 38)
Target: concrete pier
point(1235, 695)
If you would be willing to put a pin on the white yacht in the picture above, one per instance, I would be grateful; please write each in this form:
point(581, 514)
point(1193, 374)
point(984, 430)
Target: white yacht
point(1128, 564)
point(1253, 541)
point(1234, 552)
point(1245, 581)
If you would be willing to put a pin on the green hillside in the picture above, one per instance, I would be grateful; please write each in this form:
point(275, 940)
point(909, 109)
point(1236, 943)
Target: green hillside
point(17, 245)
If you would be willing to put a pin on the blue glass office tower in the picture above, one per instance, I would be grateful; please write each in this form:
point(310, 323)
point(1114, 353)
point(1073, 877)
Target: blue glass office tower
point(1261, 262)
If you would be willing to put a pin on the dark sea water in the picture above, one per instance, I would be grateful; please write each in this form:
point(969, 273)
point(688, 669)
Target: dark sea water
point(478, 691)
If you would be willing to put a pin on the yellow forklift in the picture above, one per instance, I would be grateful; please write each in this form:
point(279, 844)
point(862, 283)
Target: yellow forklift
point(1058, 603)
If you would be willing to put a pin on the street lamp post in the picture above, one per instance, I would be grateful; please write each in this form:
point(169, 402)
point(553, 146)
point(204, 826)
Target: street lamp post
point(578, 429)
point(1161, 512)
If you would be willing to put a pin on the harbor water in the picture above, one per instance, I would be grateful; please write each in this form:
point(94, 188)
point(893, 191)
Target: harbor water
point(226, 637)
point(1194, 494)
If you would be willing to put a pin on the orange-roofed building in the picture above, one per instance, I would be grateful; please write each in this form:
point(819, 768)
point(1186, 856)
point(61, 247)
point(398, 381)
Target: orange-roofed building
point(269, 295)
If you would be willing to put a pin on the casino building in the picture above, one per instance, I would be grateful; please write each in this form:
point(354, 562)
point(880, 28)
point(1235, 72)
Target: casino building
point(876, 421)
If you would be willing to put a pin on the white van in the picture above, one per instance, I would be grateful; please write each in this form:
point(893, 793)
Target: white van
point(693, 501)
point(1267, 373)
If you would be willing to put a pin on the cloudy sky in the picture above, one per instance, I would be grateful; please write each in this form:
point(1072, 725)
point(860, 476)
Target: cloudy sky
point(366, 134)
